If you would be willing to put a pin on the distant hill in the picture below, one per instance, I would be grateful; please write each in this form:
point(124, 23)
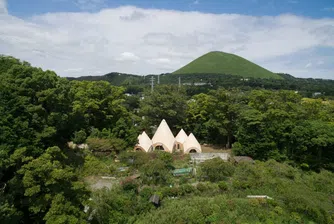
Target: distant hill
point(223, 63)
point(114, 78)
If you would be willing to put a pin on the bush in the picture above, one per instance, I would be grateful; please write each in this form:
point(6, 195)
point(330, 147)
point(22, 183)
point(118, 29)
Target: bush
point(223, 186)
point(201, 187)
point(146, 193)
point(130, 185)
point(79, 137)
point(186, 189)
point(102, 147)
point(135, 159)
point(155, 173)
point(94, 166)
point(216, 169)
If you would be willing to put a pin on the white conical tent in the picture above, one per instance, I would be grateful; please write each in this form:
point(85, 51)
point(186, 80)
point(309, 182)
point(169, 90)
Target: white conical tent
point(164, 137)
point(181, 137)
point(191, 144)
point(144, 142)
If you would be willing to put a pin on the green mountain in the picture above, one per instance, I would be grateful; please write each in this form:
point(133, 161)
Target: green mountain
point(223, 63)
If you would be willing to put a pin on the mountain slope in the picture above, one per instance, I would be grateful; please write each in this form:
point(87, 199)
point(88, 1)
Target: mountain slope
point(223, 63)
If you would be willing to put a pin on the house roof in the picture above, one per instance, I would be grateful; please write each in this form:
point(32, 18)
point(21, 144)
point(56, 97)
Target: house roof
point(155, 199)
point(182, 171)
point(181, 136)
point(192, 143)
point(144, 142)
point(164, 136)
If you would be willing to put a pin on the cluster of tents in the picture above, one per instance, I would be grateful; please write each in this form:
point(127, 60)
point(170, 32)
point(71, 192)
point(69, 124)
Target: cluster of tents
point(164, 139)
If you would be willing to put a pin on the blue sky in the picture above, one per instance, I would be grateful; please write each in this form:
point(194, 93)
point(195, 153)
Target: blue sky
point(309, 8)
point(94, 37)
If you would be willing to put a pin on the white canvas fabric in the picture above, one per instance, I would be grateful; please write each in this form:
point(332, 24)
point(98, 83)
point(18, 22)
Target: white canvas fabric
point(164, 137)
point(181, 136)
point(192, 143)
point(144, 142)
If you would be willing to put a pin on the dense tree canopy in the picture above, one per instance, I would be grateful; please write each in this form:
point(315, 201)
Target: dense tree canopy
point(41, 176)
point(39, 113)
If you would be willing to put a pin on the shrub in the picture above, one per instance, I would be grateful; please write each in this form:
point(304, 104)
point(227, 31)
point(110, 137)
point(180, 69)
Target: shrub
point(101, 146)
point(201, 187)
point(130, 185)
point(216, 169)
point(79, 137)
point(223, 186)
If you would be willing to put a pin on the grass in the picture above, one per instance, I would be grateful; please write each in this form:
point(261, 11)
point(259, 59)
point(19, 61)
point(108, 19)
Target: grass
point(224, 63)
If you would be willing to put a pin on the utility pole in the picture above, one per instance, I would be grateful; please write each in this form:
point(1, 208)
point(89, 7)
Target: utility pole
point(179, 82)
point(152, 83)
point(158, 79)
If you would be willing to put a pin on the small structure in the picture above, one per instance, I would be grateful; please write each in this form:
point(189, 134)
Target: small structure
point(259, 197)
point(155, 200)
point(242, 159)
point(191, 145)
point(201, 157)
point(123, 169)
point(180, 139)
point(163, 138)
point(144, 143)
point(182, 172)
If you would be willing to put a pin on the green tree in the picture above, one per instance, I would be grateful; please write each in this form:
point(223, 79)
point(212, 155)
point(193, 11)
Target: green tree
point(51, 189)
point(216, 170)
point(166, 102)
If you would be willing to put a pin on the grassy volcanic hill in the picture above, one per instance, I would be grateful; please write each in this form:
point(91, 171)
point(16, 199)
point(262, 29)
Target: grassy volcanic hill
point(223, 63)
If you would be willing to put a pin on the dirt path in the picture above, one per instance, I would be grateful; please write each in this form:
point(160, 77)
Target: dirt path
point(99, 182)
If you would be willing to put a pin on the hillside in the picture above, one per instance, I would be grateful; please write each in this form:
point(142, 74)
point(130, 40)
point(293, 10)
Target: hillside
point(224, 63)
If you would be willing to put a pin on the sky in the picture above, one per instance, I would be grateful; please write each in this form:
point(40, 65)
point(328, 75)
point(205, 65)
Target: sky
point(94, 37)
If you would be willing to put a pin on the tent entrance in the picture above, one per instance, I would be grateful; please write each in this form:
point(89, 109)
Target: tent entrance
point(159, 148)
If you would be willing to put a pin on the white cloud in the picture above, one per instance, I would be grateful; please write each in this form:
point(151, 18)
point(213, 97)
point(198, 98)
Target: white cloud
point(3, 7)
point(308, 65)
point(159, 61)
point(73, 70)
point(128, 56)
point(320, 62)
point(146, 41)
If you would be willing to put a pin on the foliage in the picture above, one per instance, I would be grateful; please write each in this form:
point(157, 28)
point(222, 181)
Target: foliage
point(156, 172)
point(216, 169)
point(295, 198)
point(79, 137)
point(52, 189)
point(103, 146)
point(117, 206)
point(166, 102)
point(40, 112)
point(96, 166)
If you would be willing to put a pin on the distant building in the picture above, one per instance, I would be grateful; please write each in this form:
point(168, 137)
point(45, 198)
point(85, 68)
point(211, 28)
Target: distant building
point(316, 94)
point(155, 200)
point(242, 159)
point(164, 140)
point(199, 158)
point(182, 171)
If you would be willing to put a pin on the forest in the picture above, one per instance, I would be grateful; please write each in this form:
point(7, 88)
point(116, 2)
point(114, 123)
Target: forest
point(290, 135)
point(135, 83)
